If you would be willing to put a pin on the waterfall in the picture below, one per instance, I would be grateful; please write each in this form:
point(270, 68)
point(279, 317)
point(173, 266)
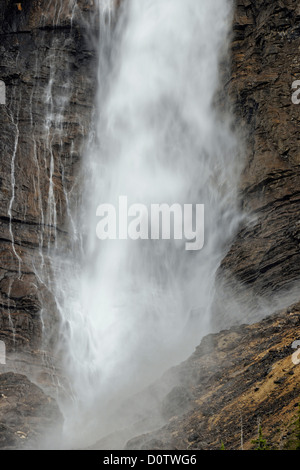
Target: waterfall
point(132, 308)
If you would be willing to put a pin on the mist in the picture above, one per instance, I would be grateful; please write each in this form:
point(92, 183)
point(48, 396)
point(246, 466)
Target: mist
point(130, 309)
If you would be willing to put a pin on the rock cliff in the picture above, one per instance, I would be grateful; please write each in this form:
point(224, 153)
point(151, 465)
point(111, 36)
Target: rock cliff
point(264, 260)
point(43, 129)
point(48, 65)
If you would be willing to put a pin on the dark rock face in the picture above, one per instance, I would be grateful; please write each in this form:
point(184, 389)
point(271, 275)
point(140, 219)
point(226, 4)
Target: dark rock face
point(235, 380)
point(265, 256)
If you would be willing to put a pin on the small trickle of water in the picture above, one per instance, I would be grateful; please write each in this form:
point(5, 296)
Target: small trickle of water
point(13, 183)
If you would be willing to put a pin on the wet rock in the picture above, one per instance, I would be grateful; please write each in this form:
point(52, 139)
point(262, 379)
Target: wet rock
point(264, 259)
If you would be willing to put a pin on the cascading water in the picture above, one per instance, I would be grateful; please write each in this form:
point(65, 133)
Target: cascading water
point(132, 308)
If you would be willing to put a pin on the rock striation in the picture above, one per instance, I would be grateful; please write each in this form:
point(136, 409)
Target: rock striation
point(264, 259)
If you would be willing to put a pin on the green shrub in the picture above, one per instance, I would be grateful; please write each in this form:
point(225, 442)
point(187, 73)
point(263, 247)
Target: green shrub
point(260, 442)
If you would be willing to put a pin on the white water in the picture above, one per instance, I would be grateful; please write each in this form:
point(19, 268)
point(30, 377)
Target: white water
point(131, 309)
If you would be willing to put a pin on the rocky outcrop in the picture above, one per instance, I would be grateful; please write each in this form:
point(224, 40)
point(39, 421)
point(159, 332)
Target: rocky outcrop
point(235, 381)
point(48, 63)
point(26, 413)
